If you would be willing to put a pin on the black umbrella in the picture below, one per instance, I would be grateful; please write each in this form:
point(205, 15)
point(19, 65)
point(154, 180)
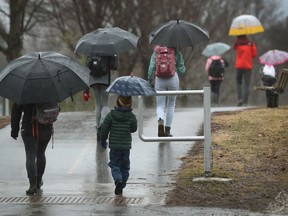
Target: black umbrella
point(178, 33)
point(106, 41)
point(41, 77)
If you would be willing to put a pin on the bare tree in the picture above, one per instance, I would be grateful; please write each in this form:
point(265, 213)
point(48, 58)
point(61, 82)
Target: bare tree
point(70, 19)
point(22, 16)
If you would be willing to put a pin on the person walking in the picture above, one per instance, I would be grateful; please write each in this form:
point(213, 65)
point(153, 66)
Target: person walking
point(166, 65)
point(100, 77)
point(245, 52)
point(269, 78)
point(215, 68)
point(118, 125)
point(36, 137)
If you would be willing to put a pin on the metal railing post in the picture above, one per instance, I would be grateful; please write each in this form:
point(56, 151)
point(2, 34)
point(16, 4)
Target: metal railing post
point(207, 125)
point(140, 117)
point(207, 132)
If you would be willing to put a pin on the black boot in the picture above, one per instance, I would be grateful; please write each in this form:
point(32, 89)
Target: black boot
point(269, 98)
point(275, 100)
point(161, 132)
point(167, 131)
point(118, 188)
point(39, 182)
point(33, 188)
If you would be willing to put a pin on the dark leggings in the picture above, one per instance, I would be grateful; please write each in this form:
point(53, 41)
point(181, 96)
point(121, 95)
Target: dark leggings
point(215, 86)
point(35, 152)
point(243, 91)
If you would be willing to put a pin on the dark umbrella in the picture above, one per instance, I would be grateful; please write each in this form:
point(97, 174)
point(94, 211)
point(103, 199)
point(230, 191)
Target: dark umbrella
point(178, 33)
point(41, 77)
point(131, 86)
point(106, 41)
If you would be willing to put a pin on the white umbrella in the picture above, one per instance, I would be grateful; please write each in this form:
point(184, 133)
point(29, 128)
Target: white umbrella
point(218, 48)
point(244, 25)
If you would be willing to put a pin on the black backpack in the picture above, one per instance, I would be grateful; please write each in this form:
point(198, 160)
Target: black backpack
point(216, 68)
point(99, 65)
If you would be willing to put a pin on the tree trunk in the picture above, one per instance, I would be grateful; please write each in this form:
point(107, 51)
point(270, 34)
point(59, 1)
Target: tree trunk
point(15, 38)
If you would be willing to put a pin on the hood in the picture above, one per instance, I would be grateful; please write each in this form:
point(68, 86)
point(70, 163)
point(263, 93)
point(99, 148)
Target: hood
point(121, 114)
point(215, 57)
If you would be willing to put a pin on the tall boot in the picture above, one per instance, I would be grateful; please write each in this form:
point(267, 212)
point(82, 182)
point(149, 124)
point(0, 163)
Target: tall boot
point(39, 182)
point(33, 188)
point(167, 131)
point(161, 132)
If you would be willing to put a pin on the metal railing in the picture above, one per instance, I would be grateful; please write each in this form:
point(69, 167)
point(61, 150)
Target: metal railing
point(207, 125)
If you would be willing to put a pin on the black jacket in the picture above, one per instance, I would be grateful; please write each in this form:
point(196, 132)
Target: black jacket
point(26, 126)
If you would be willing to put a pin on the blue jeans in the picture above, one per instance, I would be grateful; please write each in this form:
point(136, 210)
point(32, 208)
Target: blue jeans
point(171, 84)
point(120, 165)
point(35, 152)
point(243, 92)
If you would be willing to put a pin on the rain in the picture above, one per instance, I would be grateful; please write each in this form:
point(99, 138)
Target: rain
point(77, 179)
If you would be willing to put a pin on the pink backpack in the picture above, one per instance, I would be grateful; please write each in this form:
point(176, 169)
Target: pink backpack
point(165, 62)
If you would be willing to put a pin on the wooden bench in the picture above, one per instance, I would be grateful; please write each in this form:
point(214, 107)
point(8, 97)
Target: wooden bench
point(280, 84)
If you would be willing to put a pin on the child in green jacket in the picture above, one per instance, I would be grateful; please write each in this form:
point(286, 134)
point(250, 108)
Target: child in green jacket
point(118, 125)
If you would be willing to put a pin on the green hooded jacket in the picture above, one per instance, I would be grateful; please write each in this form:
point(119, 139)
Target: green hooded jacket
point(119, 124)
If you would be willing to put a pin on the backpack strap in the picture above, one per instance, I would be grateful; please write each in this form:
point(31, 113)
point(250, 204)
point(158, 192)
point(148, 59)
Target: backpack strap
point(35, 129)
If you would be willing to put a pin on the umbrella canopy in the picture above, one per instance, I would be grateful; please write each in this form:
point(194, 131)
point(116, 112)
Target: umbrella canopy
point(215, 49)
point(41, 77)
point(131, 86)
point(244, 25)
point(274, 57)
point(106, 41)
point(178, 33)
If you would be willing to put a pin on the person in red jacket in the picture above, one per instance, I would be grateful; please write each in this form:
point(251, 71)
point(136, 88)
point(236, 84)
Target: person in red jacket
point(245, 52)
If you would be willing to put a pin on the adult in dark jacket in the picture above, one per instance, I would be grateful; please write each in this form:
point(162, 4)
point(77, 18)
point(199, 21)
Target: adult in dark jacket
point(118, 125)
point(245, 52)
point(35, 146)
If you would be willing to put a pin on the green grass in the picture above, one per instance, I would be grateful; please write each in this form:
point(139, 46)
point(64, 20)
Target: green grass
point(251, 148)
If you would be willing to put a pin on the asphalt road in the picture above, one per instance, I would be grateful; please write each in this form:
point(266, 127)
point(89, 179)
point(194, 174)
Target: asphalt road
point(78, 181)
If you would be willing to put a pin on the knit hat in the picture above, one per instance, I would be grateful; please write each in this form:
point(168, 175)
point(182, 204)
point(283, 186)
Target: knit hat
point(124, 102)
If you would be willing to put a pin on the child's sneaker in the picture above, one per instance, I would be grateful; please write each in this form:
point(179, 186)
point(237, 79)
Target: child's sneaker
point(118, 188)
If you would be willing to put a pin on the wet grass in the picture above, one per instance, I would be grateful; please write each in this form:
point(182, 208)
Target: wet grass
point(251, 148)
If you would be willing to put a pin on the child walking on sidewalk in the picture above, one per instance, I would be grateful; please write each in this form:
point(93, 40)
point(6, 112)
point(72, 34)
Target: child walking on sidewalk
point(118, 125)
